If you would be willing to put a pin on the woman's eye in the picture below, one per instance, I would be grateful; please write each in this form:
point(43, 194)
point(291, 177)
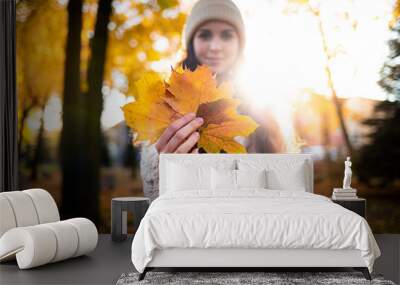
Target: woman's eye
point(205, 35)
point(227, 35)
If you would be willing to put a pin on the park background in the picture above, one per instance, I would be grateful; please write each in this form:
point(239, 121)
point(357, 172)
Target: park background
point(328, 69)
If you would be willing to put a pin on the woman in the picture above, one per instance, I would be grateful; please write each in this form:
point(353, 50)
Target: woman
point(214, 35)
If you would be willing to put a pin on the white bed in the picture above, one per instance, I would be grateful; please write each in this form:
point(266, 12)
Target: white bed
point(280, 225)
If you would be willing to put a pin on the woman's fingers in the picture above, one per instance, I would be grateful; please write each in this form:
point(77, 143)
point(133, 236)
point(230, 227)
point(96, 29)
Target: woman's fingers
point(172, 129)
point(182, 134)
point(195, 150)
point(187, 145)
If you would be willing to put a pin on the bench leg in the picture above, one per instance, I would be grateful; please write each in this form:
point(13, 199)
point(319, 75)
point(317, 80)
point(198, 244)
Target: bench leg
point(364, 271)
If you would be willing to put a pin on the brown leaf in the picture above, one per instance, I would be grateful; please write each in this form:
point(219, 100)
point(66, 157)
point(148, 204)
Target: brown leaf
point(193, 88)
point(222, 124)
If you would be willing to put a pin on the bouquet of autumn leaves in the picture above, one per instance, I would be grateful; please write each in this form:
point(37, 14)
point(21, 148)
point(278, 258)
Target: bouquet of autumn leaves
point(159, 103)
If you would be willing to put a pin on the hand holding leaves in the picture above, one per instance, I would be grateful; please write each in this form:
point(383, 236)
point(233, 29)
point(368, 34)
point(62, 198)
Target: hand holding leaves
point(158, 104)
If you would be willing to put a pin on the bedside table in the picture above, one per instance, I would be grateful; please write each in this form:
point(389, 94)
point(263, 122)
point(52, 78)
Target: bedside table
point(357, 205)
point(119, 211)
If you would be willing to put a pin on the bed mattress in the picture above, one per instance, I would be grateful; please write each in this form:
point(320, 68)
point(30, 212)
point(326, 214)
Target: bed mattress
point(250, 218)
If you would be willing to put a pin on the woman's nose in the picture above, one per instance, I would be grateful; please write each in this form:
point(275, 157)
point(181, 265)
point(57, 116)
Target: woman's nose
point(215, 44)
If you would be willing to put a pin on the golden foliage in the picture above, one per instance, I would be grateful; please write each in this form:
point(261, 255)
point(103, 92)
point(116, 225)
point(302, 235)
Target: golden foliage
point(316, 120)
point(134, 28)
point(40, 52)
point(158, 104)
point(87, 32)
point(149, 115)
point(395, 14)
point(134, 32)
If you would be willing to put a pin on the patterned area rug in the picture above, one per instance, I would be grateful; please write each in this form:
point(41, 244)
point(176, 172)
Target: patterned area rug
point(275, 278)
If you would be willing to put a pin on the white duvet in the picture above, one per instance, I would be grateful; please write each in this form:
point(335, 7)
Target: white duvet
point(251, 218)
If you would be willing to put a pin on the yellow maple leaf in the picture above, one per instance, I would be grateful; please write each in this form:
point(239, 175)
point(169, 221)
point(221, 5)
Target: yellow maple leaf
point(158, 104)
point(222, 124)
point(149, 115)
point(192, 88)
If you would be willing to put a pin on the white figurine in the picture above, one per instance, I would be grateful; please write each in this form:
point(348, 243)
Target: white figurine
point(347, 174)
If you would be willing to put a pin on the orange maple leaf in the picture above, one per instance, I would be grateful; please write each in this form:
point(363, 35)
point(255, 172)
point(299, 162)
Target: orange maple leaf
point(158, 104)
point(192, 88)
point(149, 115)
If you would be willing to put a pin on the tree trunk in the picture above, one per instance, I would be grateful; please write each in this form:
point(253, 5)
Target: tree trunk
point(71, 146)
point(335, 99)
point(325, 134)
point(37, 155)
point(24, 115)
point(93, 107)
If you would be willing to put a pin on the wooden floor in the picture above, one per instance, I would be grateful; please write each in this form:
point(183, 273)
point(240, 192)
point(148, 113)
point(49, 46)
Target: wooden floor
point(111, 259)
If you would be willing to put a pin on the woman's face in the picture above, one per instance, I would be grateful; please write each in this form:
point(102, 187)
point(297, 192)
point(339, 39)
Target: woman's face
point(216, 44)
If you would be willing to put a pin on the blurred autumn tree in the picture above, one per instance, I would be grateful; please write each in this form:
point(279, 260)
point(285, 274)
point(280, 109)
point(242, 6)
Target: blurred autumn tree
point(72, 145)
point(314, 7)
point(378, 160)
point(40, 57)
point(103, 42)
point(315, 120)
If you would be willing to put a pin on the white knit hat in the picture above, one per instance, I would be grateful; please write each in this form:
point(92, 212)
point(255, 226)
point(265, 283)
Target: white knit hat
point(206, 10)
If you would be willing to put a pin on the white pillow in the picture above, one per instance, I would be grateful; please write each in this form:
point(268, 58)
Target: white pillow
point(280, 180)
point(223, 179)
point(251, 178)
point(282, 174)
point(181, 177)
point(229, 179)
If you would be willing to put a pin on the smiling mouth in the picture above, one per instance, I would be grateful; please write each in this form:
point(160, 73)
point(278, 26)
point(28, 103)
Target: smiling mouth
point(214, 60)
